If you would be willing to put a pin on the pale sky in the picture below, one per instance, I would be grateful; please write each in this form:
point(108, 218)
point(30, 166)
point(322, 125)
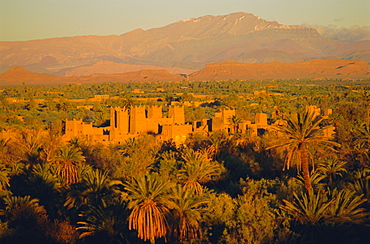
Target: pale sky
point(37, 19)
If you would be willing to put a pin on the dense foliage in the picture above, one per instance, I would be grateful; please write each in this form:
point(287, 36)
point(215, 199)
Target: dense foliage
point(215, 188)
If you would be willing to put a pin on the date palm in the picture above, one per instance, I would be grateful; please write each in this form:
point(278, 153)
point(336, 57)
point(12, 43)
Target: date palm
point(235, 121)
point(198, 169)
point(346, 207)
point(331, 168)
point(361, 141)
point(361, 182)
point(4, 177)
point(94, 189)
point(323, 207)
point(301, 137)
point(7, 156)
point(68, 157)
point(28, 144)
point(148, 196)
point(218, 139)
point(362, 134)
point(187, 209)
point(105, 223)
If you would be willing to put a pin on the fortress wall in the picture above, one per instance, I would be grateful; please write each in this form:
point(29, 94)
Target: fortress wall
point(217, 124)
point(77, 128)
point(179, 131)
point(155, 112)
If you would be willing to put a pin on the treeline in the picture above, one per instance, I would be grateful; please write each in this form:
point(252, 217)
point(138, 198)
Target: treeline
point(21, 106)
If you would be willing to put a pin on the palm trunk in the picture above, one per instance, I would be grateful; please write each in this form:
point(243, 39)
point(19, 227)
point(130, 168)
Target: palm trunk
point(305, 168)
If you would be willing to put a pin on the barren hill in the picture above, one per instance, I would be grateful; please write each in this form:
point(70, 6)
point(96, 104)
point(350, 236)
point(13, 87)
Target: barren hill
point(108, 67)
point(18, 76)
point(329, 68)
point(189, 44)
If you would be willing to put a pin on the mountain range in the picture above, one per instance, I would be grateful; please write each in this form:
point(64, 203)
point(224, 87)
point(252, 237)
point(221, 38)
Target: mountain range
point(183, 47)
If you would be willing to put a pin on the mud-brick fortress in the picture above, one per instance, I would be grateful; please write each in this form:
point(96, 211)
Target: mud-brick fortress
point(126, 124)
point(138, 120)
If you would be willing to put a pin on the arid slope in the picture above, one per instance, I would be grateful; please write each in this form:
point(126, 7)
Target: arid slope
point(329, 68)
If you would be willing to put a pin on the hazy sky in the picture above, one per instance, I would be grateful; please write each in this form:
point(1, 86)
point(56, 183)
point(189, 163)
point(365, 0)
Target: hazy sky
point(37, 19)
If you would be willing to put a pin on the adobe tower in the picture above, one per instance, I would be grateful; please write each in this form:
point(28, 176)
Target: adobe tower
point(177, 114)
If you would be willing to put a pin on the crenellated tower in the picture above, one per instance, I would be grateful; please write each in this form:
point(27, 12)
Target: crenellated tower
point(138, 119)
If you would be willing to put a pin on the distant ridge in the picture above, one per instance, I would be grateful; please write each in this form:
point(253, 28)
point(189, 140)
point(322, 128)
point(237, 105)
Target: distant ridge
point(18, 75)
point(187, 44)
point(329, 68)
point(108, 67)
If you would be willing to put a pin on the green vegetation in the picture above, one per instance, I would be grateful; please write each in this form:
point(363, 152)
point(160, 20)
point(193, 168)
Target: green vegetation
point(288, 185)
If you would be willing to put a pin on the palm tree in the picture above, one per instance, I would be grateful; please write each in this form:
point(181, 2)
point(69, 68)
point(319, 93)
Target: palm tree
point(361, 141)
point(4, 177)
point(316, 179)
point(105, 223)
point(28, 144)
point(332, 167)
point(67, 159)
point(187, 208)
point(149, 195)
point(308, 210)
point(7, 156)
point(361, 182)
point(168, 164)
point(302, 136)
point(41, 183)
point(334, 206)
point(235, 121)
point(346, 207)
point(198, 169)
point(362, 134)
point(93, 190)
point(217, 140)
